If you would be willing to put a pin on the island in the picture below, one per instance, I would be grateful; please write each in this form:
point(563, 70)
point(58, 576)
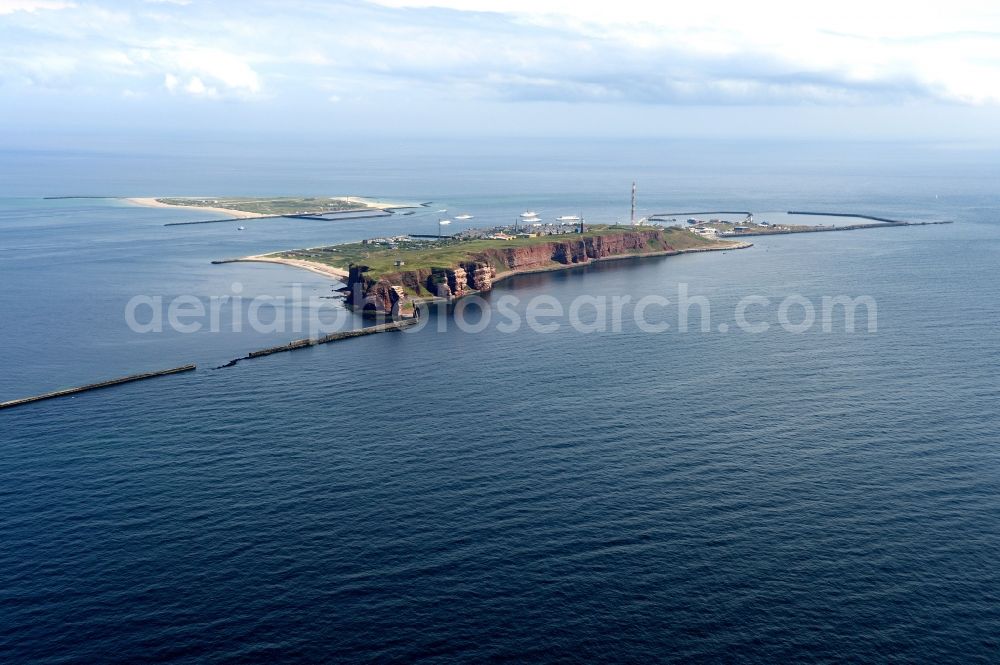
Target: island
point(388, 277)
point(282, 206)
point(391, 276)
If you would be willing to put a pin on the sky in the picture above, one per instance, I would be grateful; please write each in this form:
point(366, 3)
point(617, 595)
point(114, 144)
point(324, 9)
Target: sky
point(728, 69)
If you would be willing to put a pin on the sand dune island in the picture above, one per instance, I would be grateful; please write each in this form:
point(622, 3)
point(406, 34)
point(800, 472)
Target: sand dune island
point(252, 207)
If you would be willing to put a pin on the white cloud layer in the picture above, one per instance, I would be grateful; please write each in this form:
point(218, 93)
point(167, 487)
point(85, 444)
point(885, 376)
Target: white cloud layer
point(777, 50)
point(774, 52)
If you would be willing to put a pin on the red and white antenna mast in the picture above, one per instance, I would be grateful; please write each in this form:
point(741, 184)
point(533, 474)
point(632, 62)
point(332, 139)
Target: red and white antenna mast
point(633, 203)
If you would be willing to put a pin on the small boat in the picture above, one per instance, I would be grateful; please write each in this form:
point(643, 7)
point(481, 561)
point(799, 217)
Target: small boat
point(463, 216)
point(443, 210)
point(241, 228)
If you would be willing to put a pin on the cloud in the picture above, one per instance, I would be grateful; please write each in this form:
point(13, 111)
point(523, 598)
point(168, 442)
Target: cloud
point(106, 47)
point(219, 66)
point(194, 86)
point(856, 51)
point(774, 52)
point(11, 6)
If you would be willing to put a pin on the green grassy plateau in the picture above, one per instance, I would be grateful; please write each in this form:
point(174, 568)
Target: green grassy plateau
point(449, 252)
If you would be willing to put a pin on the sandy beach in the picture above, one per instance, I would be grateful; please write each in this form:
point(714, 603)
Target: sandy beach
point(155, 203)
point(322, 269)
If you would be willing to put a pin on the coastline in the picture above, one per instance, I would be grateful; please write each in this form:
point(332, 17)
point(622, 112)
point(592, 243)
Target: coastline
point(312, 266)
point(152, 202)
point(340, 275)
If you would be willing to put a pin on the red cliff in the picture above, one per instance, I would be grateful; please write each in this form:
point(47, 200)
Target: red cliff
point(478, 274)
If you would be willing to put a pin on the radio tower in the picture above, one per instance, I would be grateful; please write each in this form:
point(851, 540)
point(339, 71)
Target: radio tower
point(633, 203)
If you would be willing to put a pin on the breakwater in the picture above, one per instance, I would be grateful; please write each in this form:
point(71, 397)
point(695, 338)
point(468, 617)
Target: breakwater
point(328, 217)
point(659, 215)
point(849, 214)
point(824, 229)
point(62, 198)
point(342, 214)
point(95, 386)
point(230, 220)
point(392, 326)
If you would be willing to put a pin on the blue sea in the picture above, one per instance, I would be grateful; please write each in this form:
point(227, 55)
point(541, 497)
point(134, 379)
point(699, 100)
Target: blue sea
point(468, 495)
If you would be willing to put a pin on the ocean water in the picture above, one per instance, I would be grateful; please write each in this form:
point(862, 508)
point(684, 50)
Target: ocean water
point(456, 496)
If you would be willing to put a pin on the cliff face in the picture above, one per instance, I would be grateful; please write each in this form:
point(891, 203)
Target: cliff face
point(372, 297)
point(577, 250)
point(378, 296)
point(480, 276)
point(462, 279)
